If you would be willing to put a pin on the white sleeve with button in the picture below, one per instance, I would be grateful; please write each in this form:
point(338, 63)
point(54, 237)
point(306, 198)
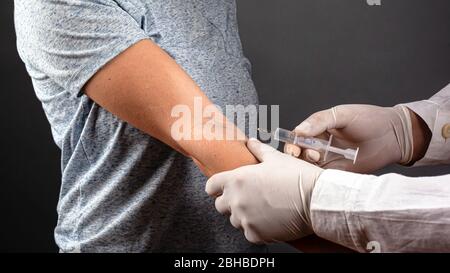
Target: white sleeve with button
point(392, 212)
point(436, 114)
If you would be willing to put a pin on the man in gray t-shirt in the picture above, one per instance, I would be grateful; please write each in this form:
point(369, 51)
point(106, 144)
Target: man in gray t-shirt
point(122, 190)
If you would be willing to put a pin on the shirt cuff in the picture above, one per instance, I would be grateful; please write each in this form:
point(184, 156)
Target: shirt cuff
point(333, 200)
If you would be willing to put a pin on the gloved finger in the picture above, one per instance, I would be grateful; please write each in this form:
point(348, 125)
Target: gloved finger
point(311, 155)
point(216, 184)
point(222, 205)
point(322, 121)
point(260, 150)
point(252, 236)
point(235, 221)
point(292, 150)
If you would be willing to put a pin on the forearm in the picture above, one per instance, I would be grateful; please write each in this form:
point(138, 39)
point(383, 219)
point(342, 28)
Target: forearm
point(143, 85)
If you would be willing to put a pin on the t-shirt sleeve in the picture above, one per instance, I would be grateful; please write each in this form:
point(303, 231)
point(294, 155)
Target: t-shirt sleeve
point(68, 41)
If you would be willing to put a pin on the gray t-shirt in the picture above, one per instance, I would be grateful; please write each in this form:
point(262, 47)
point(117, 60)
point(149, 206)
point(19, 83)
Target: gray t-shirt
point(122, 190)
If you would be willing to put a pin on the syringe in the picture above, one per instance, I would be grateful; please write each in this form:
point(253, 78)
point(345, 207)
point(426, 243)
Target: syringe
point(317, 144)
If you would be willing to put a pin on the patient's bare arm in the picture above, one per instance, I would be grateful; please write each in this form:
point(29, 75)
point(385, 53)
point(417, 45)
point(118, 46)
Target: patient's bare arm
point(142, 85)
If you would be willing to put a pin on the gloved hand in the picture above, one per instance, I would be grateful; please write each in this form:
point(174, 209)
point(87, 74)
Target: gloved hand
point(270, 201)
point(383, 135)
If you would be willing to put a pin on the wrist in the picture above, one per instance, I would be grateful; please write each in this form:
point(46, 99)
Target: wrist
point(307, 185)
point(402, 126)
point(421, 136)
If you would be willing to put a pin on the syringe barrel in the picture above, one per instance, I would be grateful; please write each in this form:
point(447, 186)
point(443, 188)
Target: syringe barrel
point(284, 136)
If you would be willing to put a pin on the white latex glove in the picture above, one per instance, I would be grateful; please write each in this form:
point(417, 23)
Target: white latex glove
point(383, 135)
point(269, 201)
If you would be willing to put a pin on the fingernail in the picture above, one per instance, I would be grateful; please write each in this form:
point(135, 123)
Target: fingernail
point(289, 150)
point(304, 127)
point(313, 156)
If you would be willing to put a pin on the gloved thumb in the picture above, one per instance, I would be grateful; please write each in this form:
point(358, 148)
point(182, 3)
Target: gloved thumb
point(260, 150)
point(318, 123)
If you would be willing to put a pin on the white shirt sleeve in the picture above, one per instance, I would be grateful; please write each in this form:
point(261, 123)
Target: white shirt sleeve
point(389, 213)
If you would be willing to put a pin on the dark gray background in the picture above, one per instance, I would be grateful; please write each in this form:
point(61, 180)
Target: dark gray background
point(307, 55)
